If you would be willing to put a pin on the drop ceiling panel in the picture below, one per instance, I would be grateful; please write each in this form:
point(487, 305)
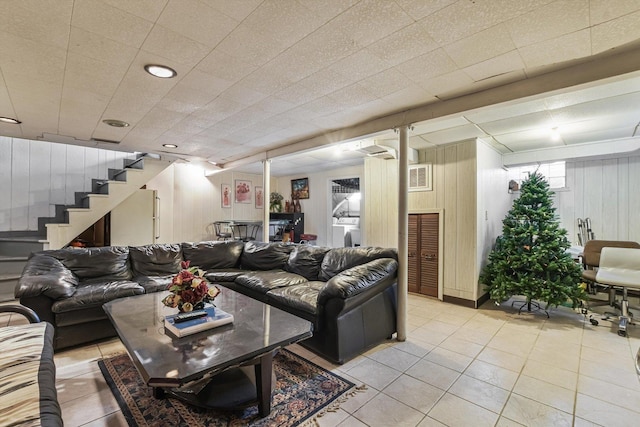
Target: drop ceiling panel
point(512, 109)
point(41, 22)
point(269, 73)
point(99, 47)
point(599, 135)
point(549, 21)
point(480, 47)
point(197, 21)
point(567, 47)
point(616, 32)
point(405, 44)
point(540, 119)
point(458, 133)
point(111, 22)
point(174, 46)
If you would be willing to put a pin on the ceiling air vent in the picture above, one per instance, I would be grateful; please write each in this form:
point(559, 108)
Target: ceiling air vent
point(420, 178)
point(105, 141)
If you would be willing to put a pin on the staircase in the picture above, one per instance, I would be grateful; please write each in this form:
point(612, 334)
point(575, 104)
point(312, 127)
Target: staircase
point(71, 220)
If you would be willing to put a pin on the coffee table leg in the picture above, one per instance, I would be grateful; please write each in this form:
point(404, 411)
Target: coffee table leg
point(158, 393)
point(263, 384)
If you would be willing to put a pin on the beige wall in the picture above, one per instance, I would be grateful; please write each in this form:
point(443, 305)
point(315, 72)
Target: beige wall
point(317, 208)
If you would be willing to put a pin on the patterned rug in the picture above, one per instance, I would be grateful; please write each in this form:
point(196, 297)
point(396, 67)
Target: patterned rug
point(302, 391)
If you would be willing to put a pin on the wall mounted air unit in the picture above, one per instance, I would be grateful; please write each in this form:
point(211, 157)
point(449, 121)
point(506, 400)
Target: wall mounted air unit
point(420, 177)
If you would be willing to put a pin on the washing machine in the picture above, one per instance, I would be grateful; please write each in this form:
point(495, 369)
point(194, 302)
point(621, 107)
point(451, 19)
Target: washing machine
point(346, 232)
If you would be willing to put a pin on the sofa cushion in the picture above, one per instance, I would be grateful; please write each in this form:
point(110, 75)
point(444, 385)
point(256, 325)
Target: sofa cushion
point(46, 275)
point(96, 294)
point(302, 297)
point(213, 255)
point(107, 263)
point(154, 283)
point(224, 275)
point(28, 376)
point(306, 261)
point(264, 256)
point(339, 259)
point(156, 260)
point(266, 280)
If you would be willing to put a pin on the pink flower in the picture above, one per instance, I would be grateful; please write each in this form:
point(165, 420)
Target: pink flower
point(185, 264)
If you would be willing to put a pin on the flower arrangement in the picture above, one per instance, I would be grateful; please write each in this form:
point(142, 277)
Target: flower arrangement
point(275, 202)
point(190, 290)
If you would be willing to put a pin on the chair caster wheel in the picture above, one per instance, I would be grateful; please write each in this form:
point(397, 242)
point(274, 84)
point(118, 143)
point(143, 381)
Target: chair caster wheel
point(622, 333)
point(594, 322)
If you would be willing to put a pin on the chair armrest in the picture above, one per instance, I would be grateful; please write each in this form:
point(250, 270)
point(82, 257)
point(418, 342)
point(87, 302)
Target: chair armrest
point(21, 309)
point(45, 275)
point(358, 279)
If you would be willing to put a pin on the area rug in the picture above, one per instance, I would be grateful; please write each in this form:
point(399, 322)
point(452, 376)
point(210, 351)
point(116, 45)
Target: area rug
point(302, 392)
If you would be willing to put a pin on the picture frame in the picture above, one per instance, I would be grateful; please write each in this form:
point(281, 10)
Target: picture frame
point(259, 197)
point(300, 188)
point(242, 191)
point(225, 195)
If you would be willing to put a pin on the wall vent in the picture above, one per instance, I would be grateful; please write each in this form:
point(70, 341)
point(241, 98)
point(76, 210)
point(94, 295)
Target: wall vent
point(420, 177)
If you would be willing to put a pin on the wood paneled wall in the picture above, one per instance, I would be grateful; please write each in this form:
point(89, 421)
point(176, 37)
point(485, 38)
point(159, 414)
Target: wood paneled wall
point(37, 175)
point(454, 193)
point(606, 191)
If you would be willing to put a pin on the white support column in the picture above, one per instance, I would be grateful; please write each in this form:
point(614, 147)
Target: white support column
point(266, 191)
point(403, 231)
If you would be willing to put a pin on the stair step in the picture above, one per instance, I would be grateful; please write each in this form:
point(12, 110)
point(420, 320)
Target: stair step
point(20, 246)
point(12, 264)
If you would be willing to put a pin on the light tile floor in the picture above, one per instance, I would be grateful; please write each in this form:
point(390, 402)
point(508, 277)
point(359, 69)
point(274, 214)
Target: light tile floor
point(458, 367)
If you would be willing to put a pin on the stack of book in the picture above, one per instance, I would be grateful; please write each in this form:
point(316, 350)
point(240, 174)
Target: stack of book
point(183, 324)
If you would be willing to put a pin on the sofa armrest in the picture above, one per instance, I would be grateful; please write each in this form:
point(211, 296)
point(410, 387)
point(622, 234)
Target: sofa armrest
point(21, 309)
point(46, 275)
point(358, 279)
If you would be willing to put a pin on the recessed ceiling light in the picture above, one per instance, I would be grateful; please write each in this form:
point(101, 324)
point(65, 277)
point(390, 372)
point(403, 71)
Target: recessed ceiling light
point(116, 123)
point(161, 71)
point(212, 162)
point(170, 145)
point(10, 120)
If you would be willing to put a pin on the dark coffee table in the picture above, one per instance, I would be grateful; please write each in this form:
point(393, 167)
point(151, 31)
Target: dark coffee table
point(210, 368)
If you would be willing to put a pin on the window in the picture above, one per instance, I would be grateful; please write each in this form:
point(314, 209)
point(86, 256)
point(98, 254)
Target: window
point(555, 173)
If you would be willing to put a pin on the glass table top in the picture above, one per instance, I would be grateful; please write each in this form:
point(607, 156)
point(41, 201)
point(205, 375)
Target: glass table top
point(163, 360)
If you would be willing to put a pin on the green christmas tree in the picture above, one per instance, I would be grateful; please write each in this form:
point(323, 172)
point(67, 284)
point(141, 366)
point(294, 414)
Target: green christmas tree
point(530, 257)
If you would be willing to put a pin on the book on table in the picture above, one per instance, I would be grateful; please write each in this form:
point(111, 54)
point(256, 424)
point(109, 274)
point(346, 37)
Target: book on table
point(214, 318)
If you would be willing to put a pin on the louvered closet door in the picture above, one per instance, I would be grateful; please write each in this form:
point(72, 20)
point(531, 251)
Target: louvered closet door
point(429, 254)
point(423, 254)
point(414, 254)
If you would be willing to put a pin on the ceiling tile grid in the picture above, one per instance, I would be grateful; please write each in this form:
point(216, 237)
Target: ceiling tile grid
point(263, 73)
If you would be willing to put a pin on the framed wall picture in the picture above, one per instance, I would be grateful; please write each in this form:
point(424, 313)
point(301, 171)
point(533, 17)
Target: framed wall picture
point(300, 188)
point(243, 191)
point(259, 198)
point(225, 195)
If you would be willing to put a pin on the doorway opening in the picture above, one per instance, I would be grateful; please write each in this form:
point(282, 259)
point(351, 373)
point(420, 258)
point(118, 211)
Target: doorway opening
point(345, 212)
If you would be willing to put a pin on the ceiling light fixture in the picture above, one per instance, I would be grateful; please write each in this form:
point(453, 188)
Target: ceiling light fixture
point(10, 120)
point(555, 134)
point(161, 71)
point(115, 123)
point(170, 145)
point(212, 162)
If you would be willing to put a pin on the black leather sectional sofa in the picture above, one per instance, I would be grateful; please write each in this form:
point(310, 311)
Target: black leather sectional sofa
point(348, 293)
